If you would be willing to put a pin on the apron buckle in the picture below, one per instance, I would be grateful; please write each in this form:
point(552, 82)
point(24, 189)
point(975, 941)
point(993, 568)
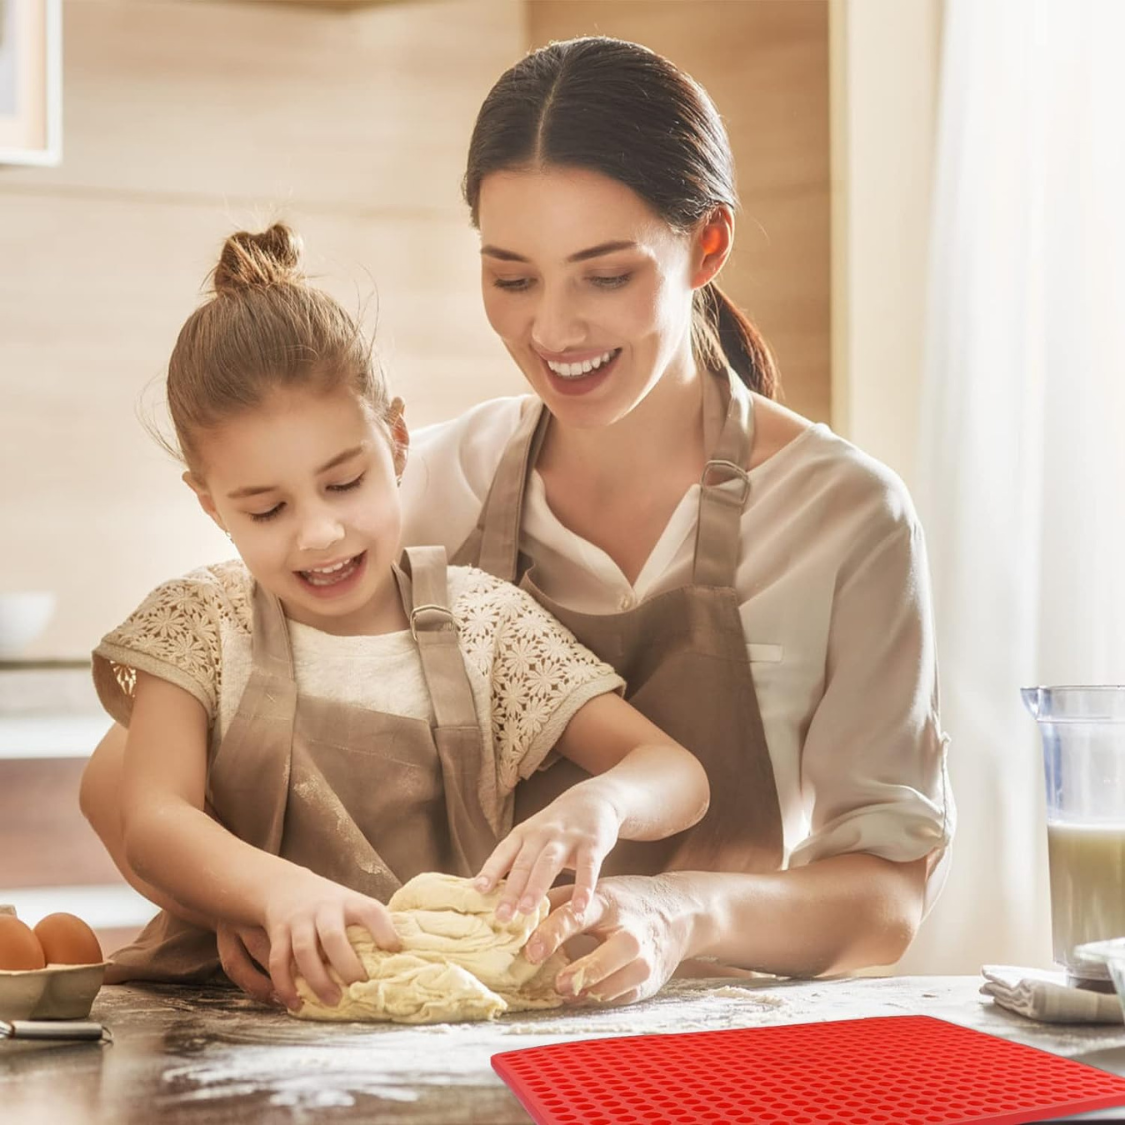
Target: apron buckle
point(446, 620)
point(735, 471)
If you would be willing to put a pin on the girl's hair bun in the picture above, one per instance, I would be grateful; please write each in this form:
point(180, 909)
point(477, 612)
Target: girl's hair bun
point(270, 257)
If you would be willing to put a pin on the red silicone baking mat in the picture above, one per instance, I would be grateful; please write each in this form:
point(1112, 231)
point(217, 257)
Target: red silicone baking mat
point(906, 1070)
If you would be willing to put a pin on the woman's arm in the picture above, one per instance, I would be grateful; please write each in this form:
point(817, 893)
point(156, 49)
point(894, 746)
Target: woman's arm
point(100, 801)
point(839, 914)
point(645, 787)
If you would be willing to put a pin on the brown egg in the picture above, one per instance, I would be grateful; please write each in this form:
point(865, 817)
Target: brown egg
point(19, 947)
point(67, 940)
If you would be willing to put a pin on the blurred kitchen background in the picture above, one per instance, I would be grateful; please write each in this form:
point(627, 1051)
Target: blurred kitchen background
point(931, 238)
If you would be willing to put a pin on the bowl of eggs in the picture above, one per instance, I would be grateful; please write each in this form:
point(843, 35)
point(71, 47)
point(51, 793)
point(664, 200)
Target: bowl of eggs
point(50, 972)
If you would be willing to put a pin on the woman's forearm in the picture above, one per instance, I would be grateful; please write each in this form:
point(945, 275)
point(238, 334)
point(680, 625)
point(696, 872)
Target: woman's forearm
point(655, 791)
point(837, 915)
point(190, 859)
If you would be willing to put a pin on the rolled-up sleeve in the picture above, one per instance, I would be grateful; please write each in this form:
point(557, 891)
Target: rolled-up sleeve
point(873, 761)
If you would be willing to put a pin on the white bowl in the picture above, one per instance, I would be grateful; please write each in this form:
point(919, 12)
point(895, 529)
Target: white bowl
point(23, 617)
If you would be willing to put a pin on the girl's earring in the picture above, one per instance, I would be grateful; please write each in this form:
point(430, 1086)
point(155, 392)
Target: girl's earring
point(229, 536)
point(398, 481)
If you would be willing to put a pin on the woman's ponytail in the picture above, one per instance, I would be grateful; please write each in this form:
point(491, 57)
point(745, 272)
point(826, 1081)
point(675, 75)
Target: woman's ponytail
point(724, 336)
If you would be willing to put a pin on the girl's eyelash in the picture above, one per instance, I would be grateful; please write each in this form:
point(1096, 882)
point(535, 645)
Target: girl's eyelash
point(520, 284)
point(348, 486)
point(517, 283)
point(261, 517)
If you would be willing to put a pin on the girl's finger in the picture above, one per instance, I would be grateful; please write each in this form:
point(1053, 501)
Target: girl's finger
point(586, 873)
point(561, 924)
point(330, 929)
point(496, 866)
point(376, 919)
point(257, 944)
point(517, 880)
point(552, 859)
point(281, 969)
point(622, 987)
point(310, 964)
point(240, 965)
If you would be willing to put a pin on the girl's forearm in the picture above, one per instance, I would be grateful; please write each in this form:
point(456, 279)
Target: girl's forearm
point(183, 854)
point(655, 790)
point(839, 914)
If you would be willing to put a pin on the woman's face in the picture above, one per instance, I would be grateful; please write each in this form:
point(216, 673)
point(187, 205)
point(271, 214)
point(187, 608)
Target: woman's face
point(588, 288)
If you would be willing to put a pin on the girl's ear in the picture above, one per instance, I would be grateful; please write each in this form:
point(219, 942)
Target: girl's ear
point(204, 497)
point(400, 435)
point(712, 243)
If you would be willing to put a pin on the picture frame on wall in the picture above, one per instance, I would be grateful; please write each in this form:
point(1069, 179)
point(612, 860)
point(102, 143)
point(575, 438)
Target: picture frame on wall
point(30, 81)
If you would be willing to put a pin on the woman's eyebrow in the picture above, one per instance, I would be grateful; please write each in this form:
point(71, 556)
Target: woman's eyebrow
point(578, 256)
point(258, 489)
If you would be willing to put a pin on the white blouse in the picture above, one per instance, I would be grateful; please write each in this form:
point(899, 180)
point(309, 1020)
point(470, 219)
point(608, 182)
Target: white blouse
point(835, 605)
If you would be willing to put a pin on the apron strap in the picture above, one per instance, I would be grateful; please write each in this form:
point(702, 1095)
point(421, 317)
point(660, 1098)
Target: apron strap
point(268, 709)
point(500, 518)
point(458, 736)
point(723, 492)
point(435, 631)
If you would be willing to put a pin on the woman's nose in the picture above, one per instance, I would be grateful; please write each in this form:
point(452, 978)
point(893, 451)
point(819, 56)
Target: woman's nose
point(557, 324)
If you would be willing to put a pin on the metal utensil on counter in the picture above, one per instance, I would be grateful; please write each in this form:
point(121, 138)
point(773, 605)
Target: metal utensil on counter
point(70, 1030)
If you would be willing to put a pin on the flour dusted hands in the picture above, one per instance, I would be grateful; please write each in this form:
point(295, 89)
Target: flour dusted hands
point(575, 832)
point(305, 919)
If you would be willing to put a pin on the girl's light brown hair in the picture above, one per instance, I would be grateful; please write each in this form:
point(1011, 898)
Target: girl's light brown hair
point(264, 328)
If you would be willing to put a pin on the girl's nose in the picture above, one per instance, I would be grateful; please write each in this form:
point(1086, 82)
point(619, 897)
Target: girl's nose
point(320, 531)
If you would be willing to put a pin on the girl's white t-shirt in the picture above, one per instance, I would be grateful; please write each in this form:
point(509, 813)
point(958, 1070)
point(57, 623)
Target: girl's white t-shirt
point(835, 605)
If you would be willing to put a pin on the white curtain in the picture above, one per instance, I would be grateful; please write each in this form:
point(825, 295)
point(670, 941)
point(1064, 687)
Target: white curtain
point(1022, 460)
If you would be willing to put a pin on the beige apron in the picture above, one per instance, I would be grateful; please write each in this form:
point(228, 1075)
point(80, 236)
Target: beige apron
point(682, 654)
point(361, 797)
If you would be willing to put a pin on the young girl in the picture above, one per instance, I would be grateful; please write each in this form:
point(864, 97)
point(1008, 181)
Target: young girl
point(346, 723)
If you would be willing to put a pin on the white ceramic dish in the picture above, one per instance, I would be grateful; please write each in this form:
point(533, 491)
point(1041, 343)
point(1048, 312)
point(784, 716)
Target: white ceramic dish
point(23, 616)
point(1109, 954)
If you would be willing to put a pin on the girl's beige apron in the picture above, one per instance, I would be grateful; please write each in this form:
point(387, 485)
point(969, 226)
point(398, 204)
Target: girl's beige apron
point(364, 798)
point(682, 653)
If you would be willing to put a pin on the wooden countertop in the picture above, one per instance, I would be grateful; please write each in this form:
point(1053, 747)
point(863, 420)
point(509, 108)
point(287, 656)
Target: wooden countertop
point(212, 1057)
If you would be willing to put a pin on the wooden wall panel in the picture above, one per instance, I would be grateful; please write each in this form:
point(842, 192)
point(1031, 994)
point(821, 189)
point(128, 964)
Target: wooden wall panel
point(185, 120)
point(765, 64)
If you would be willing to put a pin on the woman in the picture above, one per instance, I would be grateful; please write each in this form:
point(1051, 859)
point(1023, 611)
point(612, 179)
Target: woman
point(760, 583)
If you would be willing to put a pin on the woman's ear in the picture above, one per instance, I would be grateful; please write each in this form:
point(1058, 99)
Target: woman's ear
point(204, 497)
point(400, 435)
point(712, 243)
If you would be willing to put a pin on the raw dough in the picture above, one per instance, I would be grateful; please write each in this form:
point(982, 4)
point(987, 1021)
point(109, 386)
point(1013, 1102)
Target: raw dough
point(457, 961)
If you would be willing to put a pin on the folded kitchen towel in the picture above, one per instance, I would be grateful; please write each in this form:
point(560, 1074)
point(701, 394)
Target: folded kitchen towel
point(1045, 996)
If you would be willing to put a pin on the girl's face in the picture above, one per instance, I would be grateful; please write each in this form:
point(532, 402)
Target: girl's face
point(305, 485)
point(589, 289)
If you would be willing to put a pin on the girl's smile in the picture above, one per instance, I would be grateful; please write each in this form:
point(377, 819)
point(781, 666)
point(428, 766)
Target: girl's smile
point(305, 485)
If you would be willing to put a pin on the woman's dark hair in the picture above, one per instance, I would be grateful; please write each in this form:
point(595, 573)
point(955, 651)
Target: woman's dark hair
point(627, 112)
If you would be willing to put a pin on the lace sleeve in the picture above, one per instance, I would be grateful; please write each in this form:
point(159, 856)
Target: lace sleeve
point(540, 675)
point(175, 635)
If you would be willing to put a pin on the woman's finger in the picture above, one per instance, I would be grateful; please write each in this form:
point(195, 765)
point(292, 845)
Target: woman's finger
point(310, 964)
point(496, 866)
point(281, 968)
point(239, 965)
point(621, 987)
point(552, 859)
point(517, 880)
point(561, 924)
point(330, 929)
point(587, 973)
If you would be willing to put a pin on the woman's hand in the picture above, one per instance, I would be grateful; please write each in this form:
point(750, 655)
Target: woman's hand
point(643, 927)
point(574, 832)
point(308, 914)
point(244, 953)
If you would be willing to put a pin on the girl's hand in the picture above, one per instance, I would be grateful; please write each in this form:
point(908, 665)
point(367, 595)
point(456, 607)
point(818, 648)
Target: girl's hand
point(639, 922)
point(574, 832)
point(244, 953)
point(305, 920)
